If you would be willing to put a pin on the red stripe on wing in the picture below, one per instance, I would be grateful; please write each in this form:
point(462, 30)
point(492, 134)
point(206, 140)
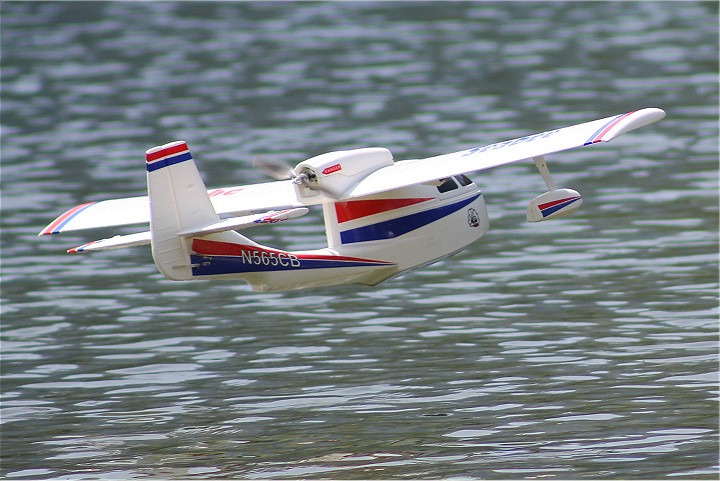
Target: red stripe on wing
point(54, 227)
point(607, 129)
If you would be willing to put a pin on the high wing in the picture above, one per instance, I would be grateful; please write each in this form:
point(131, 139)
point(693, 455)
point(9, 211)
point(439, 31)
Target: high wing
point(410, 172)
point(227, 201)
point(243, 200)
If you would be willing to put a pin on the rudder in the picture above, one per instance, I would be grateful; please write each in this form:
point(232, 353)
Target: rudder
point(178, 202)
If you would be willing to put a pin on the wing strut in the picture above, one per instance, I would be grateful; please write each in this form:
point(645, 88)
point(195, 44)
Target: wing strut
point(545, 172)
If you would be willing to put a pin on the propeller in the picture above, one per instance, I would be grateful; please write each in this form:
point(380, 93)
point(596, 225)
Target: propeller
point(279, 170)
point(276, 169)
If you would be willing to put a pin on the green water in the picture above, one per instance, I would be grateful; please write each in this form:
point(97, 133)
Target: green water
point(581, 348)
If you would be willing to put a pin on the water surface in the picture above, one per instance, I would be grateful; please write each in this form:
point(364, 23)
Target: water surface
point(581, 348)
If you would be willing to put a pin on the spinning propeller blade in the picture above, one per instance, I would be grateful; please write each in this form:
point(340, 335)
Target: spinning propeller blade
point(279, 170)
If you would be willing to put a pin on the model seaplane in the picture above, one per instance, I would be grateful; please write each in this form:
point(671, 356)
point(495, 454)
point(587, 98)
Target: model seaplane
point(381, 217)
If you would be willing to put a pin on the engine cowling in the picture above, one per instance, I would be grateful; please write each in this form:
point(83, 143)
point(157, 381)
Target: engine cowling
point(553, 204)
point(336, 172)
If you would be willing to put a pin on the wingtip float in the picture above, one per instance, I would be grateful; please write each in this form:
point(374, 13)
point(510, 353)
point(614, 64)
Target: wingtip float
point(378, 213)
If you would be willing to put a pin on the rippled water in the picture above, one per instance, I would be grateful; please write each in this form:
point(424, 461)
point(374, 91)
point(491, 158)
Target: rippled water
point(585, 347)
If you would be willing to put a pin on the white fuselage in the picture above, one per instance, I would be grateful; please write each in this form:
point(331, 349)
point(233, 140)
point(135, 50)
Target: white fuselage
point(370, 239)
point(410, 227)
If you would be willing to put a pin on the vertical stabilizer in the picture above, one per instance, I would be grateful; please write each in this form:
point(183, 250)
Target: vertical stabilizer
point(178, 202)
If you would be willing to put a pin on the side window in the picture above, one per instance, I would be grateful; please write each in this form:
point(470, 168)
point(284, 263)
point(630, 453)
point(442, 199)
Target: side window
point(447, 185)
point(463, 179)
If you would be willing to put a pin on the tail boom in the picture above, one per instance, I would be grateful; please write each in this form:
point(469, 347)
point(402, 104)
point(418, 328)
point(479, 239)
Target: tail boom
point(268, 269)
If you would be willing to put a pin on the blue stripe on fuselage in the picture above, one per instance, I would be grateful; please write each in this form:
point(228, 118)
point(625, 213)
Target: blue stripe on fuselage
point(402, 225)
point(205, 265)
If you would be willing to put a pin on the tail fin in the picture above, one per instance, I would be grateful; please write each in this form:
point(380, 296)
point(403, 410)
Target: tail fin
point(178, 202)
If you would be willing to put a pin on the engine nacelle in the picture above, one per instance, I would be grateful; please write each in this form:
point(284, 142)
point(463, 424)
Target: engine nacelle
point(552, 204)
point(336, 172)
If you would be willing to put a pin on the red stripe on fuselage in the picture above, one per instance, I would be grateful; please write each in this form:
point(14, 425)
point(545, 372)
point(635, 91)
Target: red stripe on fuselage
point(215, 248)
point(355, 209)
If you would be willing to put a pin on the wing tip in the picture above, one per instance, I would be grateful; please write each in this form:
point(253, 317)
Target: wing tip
point(57, 225)
point(633, 121)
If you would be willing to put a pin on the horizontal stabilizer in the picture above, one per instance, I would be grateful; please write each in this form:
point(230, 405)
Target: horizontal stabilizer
point(117, 242)
point(270, 217)
point(143, 238)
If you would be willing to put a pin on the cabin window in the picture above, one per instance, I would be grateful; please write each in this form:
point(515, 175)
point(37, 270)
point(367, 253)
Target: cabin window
point(463, 180)
point(447, 185)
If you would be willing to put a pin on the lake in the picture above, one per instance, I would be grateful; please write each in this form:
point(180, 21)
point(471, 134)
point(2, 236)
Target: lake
point(585, 347)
